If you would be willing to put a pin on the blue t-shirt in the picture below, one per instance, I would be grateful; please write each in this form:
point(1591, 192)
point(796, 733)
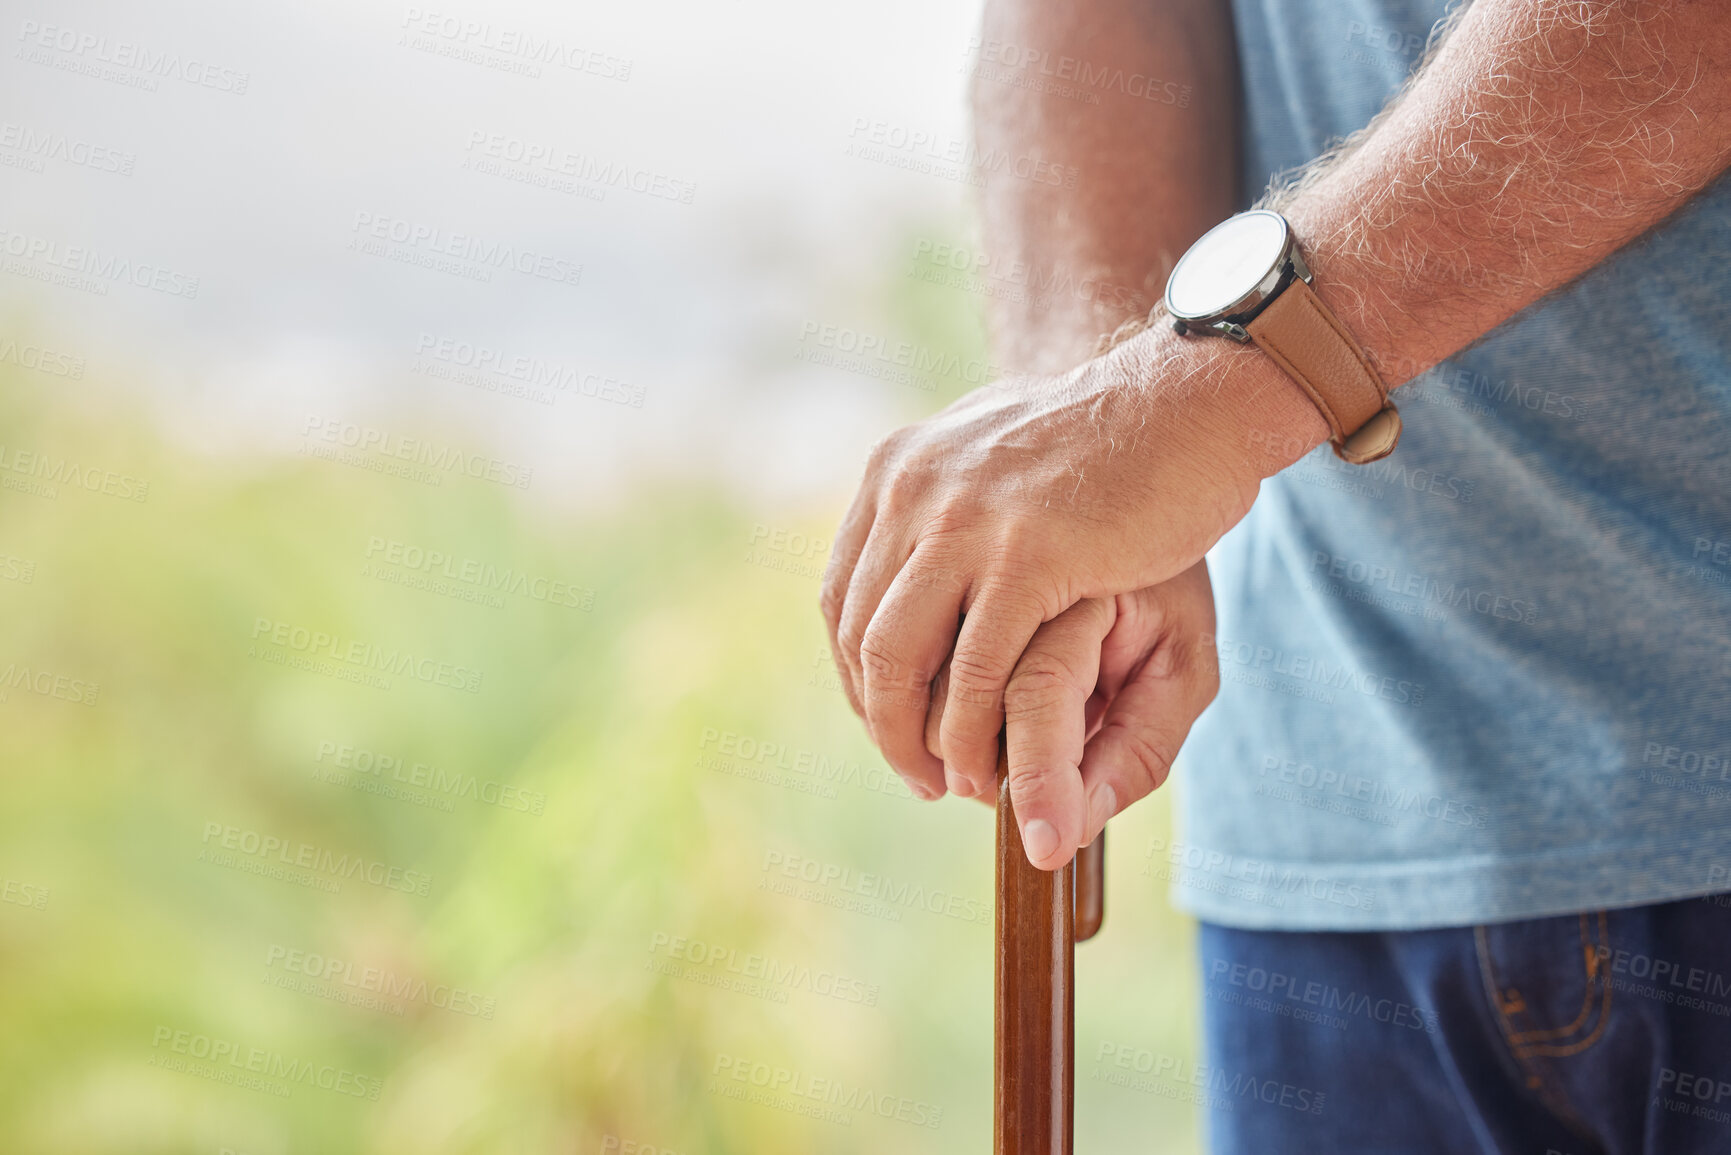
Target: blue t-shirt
point(1488, 677)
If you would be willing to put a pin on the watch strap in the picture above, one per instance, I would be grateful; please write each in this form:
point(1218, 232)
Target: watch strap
point(1316, 351)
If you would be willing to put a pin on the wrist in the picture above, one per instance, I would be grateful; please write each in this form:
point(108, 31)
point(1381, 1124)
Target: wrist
point(1247, 281)
point(1244, 406)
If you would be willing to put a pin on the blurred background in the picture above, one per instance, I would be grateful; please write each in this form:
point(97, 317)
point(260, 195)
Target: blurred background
point(421, 432)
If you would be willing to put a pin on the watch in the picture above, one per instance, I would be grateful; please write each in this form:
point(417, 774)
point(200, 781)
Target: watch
point(1246, 279)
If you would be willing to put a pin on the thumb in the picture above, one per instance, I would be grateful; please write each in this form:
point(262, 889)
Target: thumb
point(1046, 727)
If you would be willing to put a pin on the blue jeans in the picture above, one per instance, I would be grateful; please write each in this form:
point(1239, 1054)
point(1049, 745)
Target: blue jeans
point(1606, 1033)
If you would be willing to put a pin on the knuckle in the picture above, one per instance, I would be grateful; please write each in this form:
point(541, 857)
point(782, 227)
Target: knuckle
point(935, 576)
point(1040, 685)
point(1024, 541)
point(1140, 614)
point(906, 489)
point(1148, 750)
point(888, 452)
point(961, 732)
point(1031, 793)
point(966, 735)
point(1016, 538)
point(975, 682)
point(955, 513)
point(882, 666)
point(884, 448)
point(1022, 587)
point(832, 597)
point(872, 646)
point(1103, 611)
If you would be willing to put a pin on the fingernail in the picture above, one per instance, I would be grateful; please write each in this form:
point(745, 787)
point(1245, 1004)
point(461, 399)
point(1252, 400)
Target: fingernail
point(1102, 803)
point(1039, 839)
point(958, 785)
point(921, 791)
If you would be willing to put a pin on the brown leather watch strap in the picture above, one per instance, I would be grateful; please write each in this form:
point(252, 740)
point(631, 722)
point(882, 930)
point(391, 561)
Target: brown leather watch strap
point(1314, 348)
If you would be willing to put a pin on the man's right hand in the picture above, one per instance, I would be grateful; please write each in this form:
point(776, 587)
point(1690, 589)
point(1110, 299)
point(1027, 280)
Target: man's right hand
point(1098, 706)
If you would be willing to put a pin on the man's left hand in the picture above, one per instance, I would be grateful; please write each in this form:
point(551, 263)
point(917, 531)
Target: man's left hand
point(1020, 500)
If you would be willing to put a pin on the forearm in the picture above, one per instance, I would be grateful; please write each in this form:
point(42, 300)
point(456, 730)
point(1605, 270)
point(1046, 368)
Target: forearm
point(1155, 159)
point(1530, 147)
point(1528, 150)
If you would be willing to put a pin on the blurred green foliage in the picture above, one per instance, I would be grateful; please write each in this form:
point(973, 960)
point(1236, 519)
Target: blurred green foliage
point(575, 1027)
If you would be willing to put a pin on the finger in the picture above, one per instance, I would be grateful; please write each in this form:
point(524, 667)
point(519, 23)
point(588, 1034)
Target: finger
point(873, 571)
point(997, 630)
point(1046, 727)
point(1151, 714)
point(850, 539)
point(901, 653)
point(934, 723)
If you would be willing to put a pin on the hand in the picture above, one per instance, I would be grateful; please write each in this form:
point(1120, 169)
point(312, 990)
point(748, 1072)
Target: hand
point(1024, 498)
point(1098, 707)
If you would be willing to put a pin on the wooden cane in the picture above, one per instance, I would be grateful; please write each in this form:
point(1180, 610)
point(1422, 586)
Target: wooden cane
point(1041, 915)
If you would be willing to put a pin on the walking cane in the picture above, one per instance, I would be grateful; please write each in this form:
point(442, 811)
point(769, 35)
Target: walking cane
point(1041, 916)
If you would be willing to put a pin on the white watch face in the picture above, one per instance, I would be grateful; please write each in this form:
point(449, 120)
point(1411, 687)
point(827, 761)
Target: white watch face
point(1226, 264)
